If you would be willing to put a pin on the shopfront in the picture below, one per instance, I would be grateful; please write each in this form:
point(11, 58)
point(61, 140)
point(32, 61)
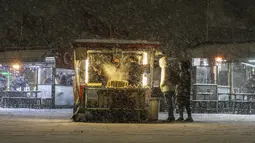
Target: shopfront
point(35, 79)
point(224, 79)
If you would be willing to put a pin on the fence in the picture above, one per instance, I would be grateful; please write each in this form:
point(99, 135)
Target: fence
point(238, 103)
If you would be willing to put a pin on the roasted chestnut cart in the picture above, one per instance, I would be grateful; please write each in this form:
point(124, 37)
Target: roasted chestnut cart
point(113, 80)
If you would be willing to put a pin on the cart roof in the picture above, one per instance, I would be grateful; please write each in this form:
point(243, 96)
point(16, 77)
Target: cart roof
point(116, 41)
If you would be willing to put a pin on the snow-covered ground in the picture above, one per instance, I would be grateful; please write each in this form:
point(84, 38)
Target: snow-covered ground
point(67, 113)
point(37, 113)
point(55, 126)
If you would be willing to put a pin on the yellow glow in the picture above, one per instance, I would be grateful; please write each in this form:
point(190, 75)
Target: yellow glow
point(86, 71)
point(16, 66)
point(218, 59)
point(145, 58)
point(94, 84)
point(145, 80)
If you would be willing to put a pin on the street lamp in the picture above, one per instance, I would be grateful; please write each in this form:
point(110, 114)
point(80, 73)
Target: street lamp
point(218, 59)
point(16, 66)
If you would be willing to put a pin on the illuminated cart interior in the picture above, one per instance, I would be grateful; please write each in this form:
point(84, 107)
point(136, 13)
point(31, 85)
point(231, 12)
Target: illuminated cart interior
point(113, 80)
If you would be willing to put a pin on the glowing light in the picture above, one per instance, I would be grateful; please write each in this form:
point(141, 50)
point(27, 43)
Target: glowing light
point(116, 60)
point(218, 59)
point(145, 80)
point(86, 71)
point(16, 66)
point(145, 58)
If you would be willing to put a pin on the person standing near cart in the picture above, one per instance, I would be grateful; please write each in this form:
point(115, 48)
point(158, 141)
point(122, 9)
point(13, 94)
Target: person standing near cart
point(183, 90)
point(167, 88)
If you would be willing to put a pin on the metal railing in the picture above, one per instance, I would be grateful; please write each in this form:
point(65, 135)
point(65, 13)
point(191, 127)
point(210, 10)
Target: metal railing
point(238, 103)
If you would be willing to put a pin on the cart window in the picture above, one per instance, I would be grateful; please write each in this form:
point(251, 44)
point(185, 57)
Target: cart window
point(116, 70)
point(45, 76)
point(243, 78)
point(64, 77)
point(204, 75)
point(223, 74)
point(24, 79)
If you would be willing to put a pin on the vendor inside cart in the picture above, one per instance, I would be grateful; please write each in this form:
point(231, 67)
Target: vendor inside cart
point(135, 71)
point(98, 75)
point(107, 67)
point(96, 71)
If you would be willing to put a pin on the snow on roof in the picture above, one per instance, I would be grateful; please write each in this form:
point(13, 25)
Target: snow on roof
point(115, 41)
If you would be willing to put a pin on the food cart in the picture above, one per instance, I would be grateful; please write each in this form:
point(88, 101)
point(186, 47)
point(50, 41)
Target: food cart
point(114, 80)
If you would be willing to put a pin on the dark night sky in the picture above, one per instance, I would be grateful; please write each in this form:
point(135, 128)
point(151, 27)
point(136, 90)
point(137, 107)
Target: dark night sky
point(175, 22)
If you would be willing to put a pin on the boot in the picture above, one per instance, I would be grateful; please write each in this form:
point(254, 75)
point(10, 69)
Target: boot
point(180, 119)
point(170, 119)
point(181, 114)
point(189, 119)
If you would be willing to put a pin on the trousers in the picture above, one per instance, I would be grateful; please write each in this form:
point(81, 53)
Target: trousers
point(183, 101)
point(169, 95)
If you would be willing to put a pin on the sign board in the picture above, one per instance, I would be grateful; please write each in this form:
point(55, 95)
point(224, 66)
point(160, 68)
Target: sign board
point(64, 58)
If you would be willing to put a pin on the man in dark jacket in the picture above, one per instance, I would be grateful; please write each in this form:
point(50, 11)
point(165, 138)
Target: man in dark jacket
point(183, 90)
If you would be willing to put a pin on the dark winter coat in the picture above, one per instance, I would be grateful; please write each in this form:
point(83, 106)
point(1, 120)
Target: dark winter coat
point(183, 89)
